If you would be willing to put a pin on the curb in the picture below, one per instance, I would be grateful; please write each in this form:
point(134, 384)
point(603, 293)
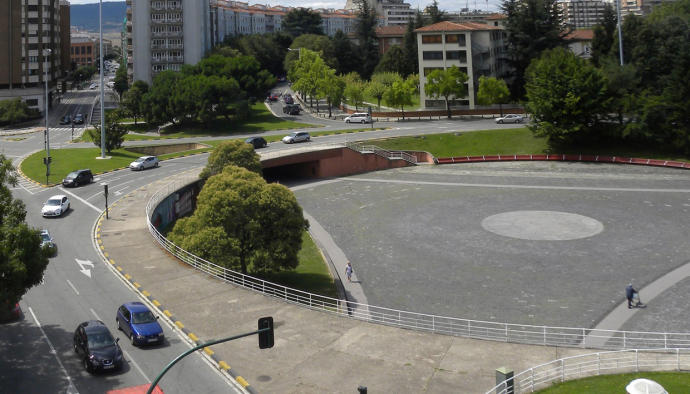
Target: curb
point(564, 157)
point(208, 352)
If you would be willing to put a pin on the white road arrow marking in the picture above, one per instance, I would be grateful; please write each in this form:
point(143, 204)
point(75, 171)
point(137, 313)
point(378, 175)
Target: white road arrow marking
point(83, 263)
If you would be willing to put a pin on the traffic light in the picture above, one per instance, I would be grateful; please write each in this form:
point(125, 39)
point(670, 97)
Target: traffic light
point(266, 337)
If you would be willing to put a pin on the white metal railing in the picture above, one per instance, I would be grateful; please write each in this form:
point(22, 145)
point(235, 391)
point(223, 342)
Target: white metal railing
point(603, 363)
point(382, 152)
point(496, 331)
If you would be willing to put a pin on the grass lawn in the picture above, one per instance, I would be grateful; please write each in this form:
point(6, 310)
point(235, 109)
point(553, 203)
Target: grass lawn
point(311, 275)
point(673, 382)
point(374, 107)
point(513, 141)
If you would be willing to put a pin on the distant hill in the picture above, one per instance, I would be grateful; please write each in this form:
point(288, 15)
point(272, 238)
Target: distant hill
point(85, 16)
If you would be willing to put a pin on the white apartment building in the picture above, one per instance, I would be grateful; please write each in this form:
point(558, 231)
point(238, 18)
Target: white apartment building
point(475, 48)
point(167, 34)
point(582, 14)
point(390, 12)
point(35, 42)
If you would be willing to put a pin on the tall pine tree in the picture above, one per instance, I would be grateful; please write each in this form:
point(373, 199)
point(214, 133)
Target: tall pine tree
point(366, 35)
point(410, 50)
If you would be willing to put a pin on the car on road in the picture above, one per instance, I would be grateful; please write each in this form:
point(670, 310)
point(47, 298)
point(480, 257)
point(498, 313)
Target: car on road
point(66, 119)
point(143, 163)
point(510, 118)
point(139, 324)
point(78, 119)
point(48, 243)
point(297, 136)
point(292, 109)
point(288, 99)
point(55, 206)
point(78, 177)
point(256, 142)
point(272, 97)
point(358, 117)
point(93, 86)
point(98, 349)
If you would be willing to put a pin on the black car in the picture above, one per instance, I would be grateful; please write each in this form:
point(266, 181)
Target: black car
point(78, 119)
point(78, 177)
point(66, 119)
point(256, 142)
point(288, 99)
point(97, 347)
point(291, 109)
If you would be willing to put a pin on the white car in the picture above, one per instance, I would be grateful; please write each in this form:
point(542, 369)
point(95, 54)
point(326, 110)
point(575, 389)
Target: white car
point(55, 206)
point(297, 136)
point(358, 117)
point(93, 86)
point(510, 118)
point(143, 163)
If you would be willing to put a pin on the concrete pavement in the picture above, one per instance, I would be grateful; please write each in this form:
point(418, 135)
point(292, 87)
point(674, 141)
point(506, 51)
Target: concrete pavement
point(314, 352)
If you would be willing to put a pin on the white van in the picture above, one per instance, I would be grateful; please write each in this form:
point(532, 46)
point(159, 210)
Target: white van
point(358, 117)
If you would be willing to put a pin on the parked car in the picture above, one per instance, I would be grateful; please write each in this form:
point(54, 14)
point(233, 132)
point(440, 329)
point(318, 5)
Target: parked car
point(48, 243)
point(143, 163)
point(78, 177)
point(256, 142)
point(78, 119)
point(510, 118)
point(93, 86)
point(55, 206)
point(292, 109)
point(66, 119)
point(139, 324)
point(358, 117)
point(97, 347)
point(272, 97)
point(297, 136)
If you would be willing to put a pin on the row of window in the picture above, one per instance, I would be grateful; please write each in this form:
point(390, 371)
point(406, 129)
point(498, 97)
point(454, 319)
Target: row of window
point(169, 17)
point(166, 29)
point(163, 67)
point(461, 56)
point(162, 4)
point(450, 38)
point(80, 50)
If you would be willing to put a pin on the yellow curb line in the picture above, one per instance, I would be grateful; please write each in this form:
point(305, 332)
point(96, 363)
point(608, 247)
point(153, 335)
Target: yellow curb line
point(223, 365)
point(112, 261)
point(137, 285)
point(119, 268)
point(105, 254)
point(128, 276)
point(179, 324)
point(156, 303)
point(193, 337)
point(208, 351)
point(241, 381)
point(167, 313)
point(145, 293)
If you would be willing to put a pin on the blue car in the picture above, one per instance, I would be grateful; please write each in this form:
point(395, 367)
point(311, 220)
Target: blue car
point(139, 324)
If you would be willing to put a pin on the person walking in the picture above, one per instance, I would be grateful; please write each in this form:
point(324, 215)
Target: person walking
point(629, 294)
point(348, 271)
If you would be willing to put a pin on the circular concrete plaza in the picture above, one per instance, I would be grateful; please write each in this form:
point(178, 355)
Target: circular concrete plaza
point(544, 243)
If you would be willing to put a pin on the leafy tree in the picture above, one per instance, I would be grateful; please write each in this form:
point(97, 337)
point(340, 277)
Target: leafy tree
point(22, 261)
point(114, 132)
point(332, 88)
point(400, 94)
point(133, 99)
point(532, 26)
point(566, 96)
point(306, 73)
point(386, 78)
point(623, 86)
point(83, 73)
point(419, 20)
point(268, 49)
point(300, 21)
point(320, 44)
point(493, 91)
point(446, 83)
point(346, 56)
point(157, 103)
point(241, 222)
point(376, 89)
point(365, 32)
point(120, 83)
point(604, 35)
point(391, 61)
point(435, 14)
point(233, 152)
point(354, 92)
point(14, 111)
point(410, 55)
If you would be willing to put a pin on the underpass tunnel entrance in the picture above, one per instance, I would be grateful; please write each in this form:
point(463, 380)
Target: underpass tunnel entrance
point(289, 173)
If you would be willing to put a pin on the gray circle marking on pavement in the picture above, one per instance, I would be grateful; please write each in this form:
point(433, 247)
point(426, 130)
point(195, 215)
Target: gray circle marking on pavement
point(542, 225)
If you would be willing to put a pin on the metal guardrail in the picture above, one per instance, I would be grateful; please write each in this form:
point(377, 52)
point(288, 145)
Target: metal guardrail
point(593, 364)
point(382, 152)
point(477, 329)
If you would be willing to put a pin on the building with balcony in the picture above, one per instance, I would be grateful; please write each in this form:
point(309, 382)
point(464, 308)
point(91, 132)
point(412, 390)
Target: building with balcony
point(582, 14)
point(475, 48)
point(390, 12)
point(29, 28)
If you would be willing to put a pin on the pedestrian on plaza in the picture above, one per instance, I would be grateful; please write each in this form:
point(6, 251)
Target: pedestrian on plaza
point(630, 294)
point(348, 271)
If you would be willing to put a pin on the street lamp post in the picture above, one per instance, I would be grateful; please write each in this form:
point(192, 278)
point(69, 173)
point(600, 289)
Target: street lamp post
point(46, 58)
point(620, 33)
point(100, 27)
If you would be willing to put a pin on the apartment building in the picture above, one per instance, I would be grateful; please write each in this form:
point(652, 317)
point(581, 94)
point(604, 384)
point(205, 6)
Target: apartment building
point(28, 29)
point(167, 34)
point(83, 50)
point(390, 12)
point(582, 14)
point(475, 48)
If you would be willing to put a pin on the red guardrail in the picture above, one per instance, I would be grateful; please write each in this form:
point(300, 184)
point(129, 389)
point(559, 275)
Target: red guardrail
point(564, 157)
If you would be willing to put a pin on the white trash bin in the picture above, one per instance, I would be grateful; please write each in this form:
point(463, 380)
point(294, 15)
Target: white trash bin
point(644, 386)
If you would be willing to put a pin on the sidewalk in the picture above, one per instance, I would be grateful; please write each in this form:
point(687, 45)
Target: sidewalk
point(314, 352)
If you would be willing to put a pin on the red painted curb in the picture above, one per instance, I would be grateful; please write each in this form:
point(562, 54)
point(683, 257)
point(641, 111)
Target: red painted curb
point(563, 157)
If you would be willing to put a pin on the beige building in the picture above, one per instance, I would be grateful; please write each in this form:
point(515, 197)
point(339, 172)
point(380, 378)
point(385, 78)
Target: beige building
point(580, 14)
point(475, 48)
point(27, 29)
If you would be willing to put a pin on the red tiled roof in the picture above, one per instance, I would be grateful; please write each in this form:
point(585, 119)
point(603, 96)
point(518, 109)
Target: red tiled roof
point(496, 16)
point(453, 26)
point(390, 31)
point(580, 35)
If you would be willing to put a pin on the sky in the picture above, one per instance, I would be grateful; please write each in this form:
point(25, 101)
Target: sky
point(446, 5)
